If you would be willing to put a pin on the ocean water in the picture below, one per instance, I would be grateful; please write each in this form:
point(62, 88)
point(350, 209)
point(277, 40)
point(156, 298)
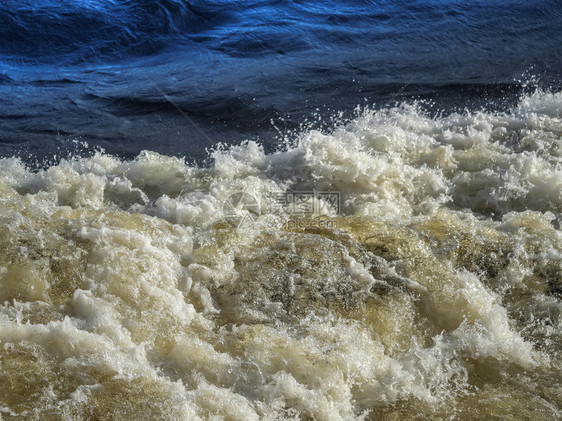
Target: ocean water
point(271, 210)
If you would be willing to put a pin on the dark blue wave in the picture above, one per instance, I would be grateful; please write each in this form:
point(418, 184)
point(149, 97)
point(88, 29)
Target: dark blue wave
point(75, 31)
point(109, 70)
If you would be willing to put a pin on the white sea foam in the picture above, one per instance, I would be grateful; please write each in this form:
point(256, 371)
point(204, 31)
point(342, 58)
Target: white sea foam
point(127, 292)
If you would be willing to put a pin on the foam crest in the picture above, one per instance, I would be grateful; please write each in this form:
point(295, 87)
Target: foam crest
point(126, 288)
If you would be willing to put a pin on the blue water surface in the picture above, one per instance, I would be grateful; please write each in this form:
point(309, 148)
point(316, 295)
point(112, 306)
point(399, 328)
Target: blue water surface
point(179, 76)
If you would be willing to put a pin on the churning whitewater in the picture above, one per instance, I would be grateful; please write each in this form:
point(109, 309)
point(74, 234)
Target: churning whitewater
point(434, 292)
